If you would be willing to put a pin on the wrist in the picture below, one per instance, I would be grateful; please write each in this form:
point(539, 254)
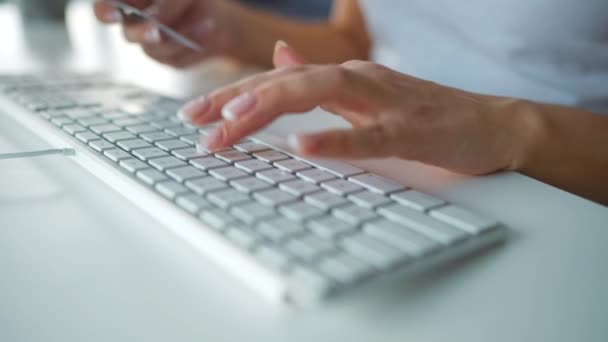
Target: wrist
point(528, 132)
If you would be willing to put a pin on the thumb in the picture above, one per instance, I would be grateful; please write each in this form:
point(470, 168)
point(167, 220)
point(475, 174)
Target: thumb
point(285, 55)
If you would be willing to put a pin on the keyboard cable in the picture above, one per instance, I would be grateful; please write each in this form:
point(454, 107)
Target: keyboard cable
point(68, 152)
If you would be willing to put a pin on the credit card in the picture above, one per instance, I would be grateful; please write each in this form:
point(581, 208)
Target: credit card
point(169, 32)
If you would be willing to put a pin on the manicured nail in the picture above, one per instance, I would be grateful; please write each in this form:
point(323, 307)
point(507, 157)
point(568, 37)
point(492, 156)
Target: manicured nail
point(305, 143)
point(211, 142)
point(279, 45)
point(152, 36)
point(194, 108)
point(239, 106)
point(113, 16)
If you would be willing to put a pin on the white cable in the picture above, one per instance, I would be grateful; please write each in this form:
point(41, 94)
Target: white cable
point(59, 151)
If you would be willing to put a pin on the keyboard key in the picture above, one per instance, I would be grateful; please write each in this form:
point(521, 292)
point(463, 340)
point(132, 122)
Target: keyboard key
point(130, 145)
point(205, 185)
point(227, 173)
point(165, 124)
point(207, 163)
point(399, 236)
point(309, 247)
point(252, 212)
point(151, 176)
point(354, 214)
point(270, 156)
point(187, 154)
point(92, 121)
point(227, 198)
point(273, 258)
point(87, 137)
point(193, 203)
point(253, 165)
point(245, 238)
point(171, 189)
point(249, 185)
point(164, 163)
point(417, 200)
point(62, 121)
point(292, 165)
point(464, 219)
point(423, 224)
point(133, 165)
point(180, 131)
point(217, 218)
point(251, 147)
point(275, 176)
point(299, 187)
point(185, 173)
point(337, 168)
point(368, 199)
point(101, 145)
point(153, 137)
point(373, 251)
point(116, 155)
point(126, 121)
point(149, 153)
point(101, 129)
point(329, 227)
point(73, 129)
point(279, 229)
point(300, 211)
point(345, 268)
point(274, 198)
point(232, 156)
point(140, 129)
point(341, 187)
point(326, 200)
point(117, 136)
point(191, 140)
point(377, 183)
point(170, 145)
point(316, 176)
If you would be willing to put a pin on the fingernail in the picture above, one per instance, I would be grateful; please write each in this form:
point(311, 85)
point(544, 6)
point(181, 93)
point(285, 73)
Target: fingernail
point(239, 106)
point(113, 16)
point(279, 45)
point(304, 143)
point(194, 109)
point(211, 142)
point(152, 35)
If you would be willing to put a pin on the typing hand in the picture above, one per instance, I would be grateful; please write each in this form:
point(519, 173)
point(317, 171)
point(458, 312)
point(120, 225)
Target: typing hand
point(392, 114)
point(210, 23)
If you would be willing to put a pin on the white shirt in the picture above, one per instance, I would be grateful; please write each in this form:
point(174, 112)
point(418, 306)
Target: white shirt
point(545, 50)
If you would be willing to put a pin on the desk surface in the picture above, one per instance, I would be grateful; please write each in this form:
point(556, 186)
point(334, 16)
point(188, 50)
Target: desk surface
point(80, 263)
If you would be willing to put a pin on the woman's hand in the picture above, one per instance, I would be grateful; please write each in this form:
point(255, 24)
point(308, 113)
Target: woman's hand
point(215, 24)
point(392, 115)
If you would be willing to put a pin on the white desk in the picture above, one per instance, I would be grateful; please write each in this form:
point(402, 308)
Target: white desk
point(80, 263)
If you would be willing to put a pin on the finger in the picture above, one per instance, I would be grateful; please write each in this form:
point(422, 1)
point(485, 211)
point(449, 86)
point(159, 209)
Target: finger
point(294, 93)
point(375, 141)
point(142, 33)
point(109, 14)
point(285, 56)
point(209, 109)
point(170, 12)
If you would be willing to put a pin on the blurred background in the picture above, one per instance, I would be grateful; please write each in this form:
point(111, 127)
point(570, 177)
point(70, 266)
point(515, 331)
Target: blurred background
point(49, 35)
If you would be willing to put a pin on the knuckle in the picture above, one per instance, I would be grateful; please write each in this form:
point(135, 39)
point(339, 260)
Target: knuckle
point(338, 75)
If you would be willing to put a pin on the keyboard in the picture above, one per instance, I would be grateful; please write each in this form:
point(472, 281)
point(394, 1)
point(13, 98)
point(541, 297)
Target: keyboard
point(298, 231)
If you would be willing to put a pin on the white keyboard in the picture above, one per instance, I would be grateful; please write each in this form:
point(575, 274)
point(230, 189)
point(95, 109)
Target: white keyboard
point(299, 231)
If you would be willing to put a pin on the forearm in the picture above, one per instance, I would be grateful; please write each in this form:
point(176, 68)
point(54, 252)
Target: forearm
point(341, 38)
point(565, 147)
